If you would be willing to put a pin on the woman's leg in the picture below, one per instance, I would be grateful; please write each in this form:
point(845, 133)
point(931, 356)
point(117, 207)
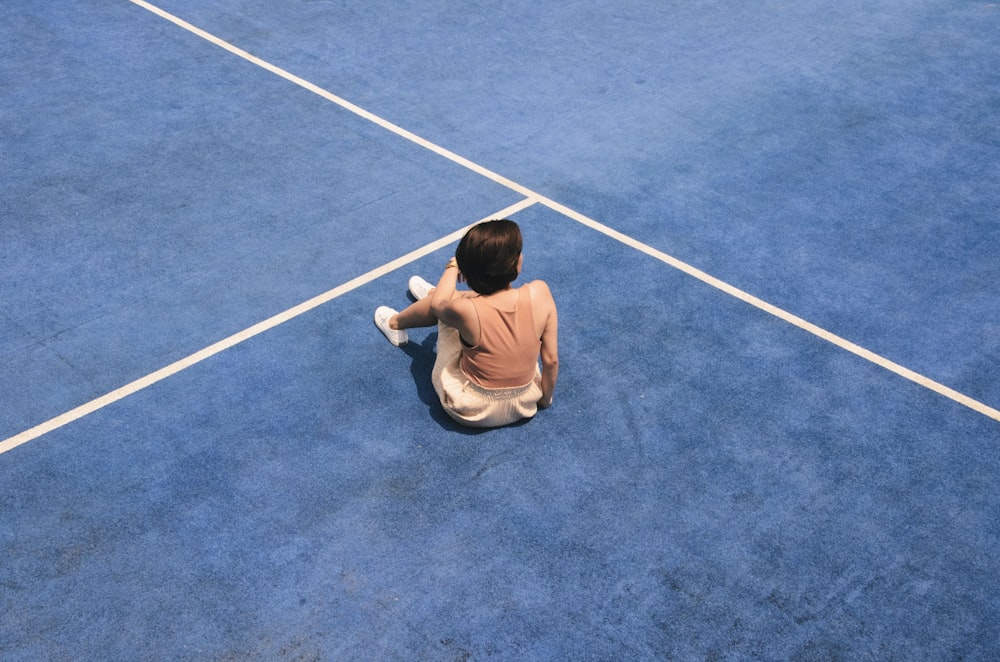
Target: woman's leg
point(415, 315)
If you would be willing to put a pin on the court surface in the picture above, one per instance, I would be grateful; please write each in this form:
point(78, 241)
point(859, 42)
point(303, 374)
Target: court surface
point(771, 231)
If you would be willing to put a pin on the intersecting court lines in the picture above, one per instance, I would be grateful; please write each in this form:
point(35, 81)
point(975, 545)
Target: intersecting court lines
point(692, 271)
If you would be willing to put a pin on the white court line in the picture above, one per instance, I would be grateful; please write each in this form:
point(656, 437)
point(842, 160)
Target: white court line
point(795, 320)
point(343, 103)
point(589, 222)
point(246, 334)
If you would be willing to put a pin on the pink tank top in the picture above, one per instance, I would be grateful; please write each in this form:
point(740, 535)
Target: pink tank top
point(507, 353)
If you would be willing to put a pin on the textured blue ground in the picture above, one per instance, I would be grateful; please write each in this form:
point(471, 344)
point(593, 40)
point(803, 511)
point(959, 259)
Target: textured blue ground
point(711, 482)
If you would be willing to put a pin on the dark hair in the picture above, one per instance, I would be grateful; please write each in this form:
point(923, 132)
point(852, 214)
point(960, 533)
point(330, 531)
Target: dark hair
point(488, 255)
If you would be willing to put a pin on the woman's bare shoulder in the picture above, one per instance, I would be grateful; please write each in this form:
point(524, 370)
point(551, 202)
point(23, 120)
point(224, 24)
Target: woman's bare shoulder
point(461, 302)
point(540, 288)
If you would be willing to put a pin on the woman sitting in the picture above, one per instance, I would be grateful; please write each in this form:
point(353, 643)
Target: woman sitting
point(490, 339)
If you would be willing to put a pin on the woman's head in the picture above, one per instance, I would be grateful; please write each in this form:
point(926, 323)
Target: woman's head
point(489, 255)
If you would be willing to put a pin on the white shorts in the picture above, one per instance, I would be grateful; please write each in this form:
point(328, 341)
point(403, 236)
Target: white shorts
point(471, 404)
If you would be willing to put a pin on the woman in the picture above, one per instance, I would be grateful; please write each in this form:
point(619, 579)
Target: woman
point(490, 339)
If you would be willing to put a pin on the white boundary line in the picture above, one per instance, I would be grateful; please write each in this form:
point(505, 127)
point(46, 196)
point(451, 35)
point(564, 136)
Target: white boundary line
point(343, 103)
point(531, 198)
point(246, 334)
point(784, 315)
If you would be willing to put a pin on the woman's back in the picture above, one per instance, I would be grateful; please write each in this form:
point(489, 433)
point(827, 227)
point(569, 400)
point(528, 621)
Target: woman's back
point(506, 353)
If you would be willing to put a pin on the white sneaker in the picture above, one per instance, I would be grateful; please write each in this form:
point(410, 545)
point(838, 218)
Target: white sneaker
point(396, 336)
point(420, 288)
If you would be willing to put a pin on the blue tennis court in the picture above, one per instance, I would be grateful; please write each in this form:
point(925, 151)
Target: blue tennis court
point(771, 231)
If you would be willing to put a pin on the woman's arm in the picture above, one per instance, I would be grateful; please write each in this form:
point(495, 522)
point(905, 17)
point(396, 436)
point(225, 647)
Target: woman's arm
point(442, 294)
point(448, 308)
point(550, 344)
